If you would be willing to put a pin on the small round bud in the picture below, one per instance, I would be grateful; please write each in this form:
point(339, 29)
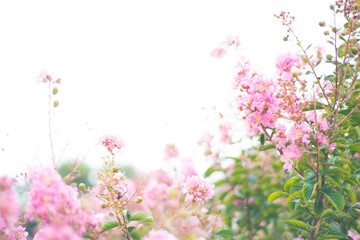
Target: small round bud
point(328, 57)
point(326, 33)
point(103, 205)
point(322, 24)
point(56, 103)
point(115, 169)
point(332, 7)
point(138, 199)
point(55, 90)
point(295, 74)
point(82, 186)
point(285, 39)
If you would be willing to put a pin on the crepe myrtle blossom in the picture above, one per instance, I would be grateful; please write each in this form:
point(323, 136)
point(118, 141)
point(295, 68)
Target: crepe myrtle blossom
point(56, 232)
point(112, 143)
point(9, 212)
point(197, 189)
point(159, 235)
point(171, 151)
point(55, 202)
point(45, 77)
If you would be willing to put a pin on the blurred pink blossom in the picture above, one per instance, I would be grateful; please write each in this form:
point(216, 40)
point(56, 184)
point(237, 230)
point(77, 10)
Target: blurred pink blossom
point(197, 189)
point(112, 143)
point(159, 235)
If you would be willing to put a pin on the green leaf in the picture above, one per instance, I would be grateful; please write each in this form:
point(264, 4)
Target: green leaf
point(291, 182)
point(142, 216)
point(355, 148)
point(356, 117)
point(109, 224)
point(328, 213)
point(293, 204)
point(297, 224)
point(262, 139)
point(308, 189)
point(209, 171)
point(335, 198)
point(319, 105)
point(356, 131)
point(318, 207)
point(351, 195)
point(224, 233)
point(134, 233)
point(276, 195)
point(220, 182)
point(331, 234)
point(127, 215)
point(266, 147)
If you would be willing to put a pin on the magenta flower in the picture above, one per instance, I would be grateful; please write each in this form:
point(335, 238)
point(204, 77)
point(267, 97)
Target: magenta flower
point(159, 235)
point(197, 189)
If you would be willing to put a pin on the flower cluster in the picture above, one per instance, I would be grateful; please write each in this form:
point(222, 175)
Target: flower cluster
point(9, 212)
point(112, 143)
point(159, 235)
point(57, 204)
point(197, 189)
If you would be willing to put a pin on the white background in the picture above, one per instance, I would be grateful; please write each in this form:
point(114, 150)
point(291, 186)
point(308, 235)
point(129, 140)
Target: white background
point(140, 70)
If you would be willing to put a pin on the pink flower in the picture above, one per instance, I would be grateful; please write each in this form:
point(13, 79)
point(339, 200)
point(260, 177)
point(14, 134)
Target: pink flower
point(218, 52)
point(9, 210)
point(356, 155)
point(353, 236)
point(298, 238)
point(332, 146)
point(197, 189)
point(56, 232)
point(111, 143)
point(262, 224)
point(324, 124)
point(171, 151)
point(55, 202)
point(159, 235)
point(224, 131)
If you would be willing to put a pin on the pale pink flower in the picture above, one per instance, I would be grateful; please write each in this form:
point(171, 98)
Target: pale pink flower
point(324, 124)
point(159, 235)
point(218, 52)
point(238, 202)
point(332, 146)
point(356, 155)
point(197, 189)
point(262, 223)
point(187, 167)
point(56, 232)
point(112, 143)
point(171, 151)
point(224, 131)
point(353, 236)
point(9, 210)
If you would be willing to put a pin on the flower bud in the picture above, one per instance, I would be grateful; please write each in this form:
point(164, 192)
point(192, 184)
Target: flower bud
point(328, 57)
point(103, 205)
point(322, 24)
point(332, 7)
point(82, 186)
point(56, 103)
point(115, 169)
point(55, 90)
point(295, 74)
point(326, 33)
point(138, 199)
point(285, 39)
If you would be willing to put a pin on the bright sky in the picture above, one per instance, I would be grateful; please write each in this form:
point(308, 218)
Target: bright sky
point(140, 70)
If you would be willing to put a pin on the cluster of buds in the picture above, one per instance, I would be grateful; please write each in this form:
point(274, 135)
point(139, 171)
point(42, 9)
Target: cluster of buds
point(286, 18)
